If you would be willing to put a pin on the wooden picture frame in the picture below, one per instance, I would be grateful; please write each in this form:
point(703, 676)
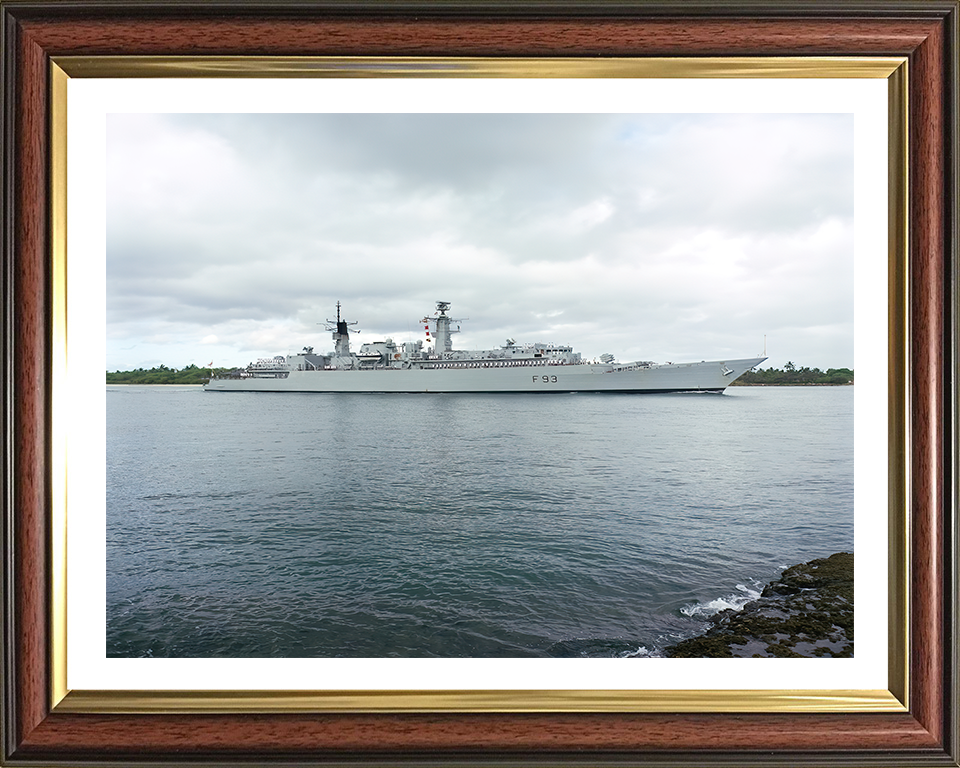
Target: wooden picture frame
point(38, 731)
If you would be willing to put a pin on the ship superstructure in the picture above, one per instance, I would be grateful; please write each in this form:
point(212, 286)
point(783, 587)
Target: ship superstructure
point(388, 366)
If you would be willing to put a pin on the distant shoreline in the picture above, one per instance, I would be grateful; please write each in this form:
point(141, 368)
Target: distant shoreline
point(788, 376)
point(153, 384)
point(200, 384)
point(739, 383)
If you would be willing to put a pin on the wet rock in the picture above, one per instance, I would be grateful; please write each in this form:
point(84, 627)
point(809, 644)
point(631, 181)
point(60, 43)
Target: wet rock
point(807, 612)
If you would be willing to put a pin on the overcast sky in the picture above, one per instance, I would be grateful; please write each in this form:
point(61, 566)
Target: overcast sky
point(231, 237)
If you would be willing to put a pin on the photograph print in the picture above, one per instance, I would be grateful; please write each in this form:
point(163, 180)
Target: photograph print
point(479, 385)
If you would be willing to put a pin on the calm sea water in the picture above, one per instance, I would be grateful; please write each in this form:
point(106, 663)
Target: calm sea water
point(289, 525)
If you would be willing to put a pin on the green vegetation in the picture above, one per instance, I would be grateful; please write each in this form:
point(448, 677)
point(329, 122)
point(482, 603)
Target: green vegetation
point(163, 375)
point(807, 612)
point(793, 376)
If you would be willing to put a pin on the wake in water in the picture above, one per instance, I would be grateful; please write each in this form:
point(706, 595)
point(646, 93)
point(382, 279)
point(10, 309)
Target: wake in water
point(734, 602)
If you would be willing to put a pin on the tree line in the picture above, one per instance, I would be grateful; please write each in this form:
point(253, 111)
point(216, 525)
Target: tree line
point(791, 375)
point(163, 375)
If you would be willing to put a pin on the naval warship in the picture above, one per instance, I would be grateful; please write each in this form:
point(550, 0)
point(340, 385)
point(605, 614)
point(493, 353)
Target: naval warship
point(410, 367)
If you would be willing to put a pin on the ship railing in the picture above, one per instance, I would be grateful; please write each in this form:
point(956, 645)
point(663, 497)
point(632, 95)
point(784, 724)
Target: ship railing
point(637, 366)
point(524, 363)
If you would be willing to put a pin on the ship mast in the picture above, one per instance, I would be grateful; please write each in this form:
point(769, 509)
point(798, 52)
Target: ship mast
point(443, 331)
point(341, 334)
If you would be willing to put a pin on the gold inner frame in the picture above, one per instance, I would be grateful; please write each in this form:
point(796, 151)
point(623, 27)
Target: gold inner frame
point(895, 699)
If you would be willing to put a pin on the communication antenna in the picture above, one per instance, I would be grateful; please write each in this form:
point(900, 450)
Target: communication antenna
point(340, 326)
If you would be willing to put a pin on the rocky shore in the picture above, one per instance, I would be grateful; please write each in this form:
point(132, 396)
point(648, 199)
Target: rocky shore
point(807, 612)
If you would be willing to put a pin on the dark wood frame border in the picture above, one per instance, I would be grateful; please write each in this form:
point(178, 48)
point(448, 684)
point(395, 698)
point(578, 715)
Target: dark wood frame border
point(925, 31)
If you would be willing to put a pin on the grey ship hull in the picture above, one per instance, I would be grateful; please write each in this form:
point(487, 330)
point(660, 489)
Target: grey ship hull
point(712, 376)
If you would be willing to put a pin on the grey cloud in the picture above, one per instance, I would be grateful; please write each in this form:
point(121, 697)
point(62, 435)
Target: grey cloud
point(617, 224)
